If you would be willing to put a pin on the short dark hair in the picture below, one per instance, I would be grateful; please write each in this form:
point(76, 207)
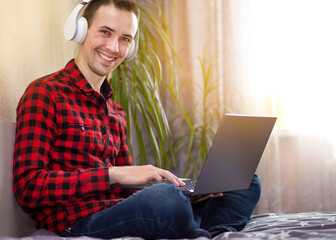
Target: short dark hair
point(94, 5)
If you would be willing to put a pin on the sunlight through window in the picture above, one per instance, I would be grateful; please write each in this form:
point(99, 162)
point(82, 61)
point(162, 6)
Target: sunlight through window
point(292, 56)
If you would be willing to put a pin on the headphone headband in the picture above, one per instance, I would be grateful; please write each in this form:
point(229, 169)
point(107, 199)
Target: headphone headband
point(75, 30)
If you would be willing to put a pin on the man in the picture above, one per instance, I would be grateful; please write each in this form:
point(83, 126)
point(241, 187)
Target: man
point(71, 154)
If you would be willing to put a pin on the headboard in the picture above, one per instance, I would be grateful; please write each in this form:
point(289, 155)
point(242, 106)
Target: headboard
point(13, 221)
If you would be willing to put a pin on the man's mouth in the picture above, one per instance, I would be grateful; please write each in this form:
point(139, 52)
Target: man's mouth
point(102, 55)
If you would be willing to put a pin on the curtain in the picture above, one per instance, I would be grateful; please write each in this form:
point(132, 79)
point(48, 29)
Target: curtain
point(291, 57)
point(271, 57)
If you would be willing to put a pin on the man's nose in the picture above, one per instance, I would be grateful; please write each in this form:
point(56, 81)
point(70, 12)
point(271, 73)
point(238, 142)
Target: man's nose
point(113, 45)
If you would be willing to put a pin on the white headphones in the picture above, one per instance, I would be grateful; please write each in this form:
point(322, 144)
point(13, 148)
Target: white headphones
point(75, 30)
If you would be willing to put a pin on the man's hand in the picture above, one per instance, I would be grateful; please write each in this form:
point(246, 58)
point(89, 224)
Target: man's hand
point(199, 198)
point(137, 175)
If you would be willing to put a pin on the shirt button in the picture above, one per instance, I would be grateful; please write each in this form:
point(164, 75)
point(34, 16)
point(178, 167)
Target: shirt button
point(105, 136)
point(107, 160)
point(103, 111)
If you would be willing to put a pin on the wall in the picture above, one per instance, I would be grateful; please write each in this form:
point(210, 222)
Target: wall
point(31, 45)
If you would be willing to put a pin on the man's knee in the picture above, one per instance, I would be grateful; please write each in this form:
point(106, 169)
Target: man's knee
point(167, 197)
point(171, 208)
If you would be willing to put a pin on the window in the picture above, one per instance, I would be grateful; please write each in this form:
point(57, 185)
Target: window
point(292, 57)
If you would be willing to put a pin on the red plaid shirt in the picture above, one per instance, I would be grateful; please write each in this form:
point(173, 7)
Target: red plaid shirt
point(67, 137)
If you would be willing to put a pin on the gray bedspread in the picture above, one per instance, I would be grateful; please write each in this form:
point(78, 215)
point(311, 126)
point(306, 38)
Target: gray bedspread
point(313, 225)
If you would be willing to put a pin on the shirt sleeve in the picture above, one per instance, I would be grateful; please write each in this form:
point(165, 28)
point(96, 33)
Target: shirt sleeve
point(34, 183)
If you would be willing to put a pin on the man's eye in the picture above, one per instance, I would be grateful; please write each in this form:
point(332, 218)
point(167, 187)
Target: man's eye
point(126, 39)
point(105, 32)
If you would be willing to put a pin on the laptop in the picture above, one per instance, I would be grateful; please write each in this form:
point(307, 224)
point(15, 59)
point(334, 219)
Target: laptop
point(233, 157)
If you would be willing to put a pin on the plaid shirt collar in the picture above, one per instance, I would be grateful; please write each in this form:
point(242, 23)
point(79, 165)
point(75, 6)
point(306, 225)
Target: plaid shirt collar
point(80, 81)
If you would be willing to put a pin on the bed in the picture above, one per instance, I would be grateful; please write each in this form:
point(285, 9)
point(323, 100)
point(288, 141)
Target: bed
point(312, 225)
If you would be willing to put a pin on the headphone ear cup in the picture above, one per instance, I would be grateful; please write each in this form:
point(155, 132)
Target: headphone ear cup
point(75, 29)
point(134, 48)
point(81, 30)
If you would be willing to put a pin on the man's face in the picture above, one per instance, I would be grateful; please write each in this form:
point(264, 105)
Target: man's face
point(108, 39)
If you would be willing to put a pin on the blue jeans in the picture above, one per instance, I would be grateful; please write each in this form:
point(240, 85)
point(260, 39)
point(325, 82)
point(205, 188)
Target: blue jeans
point(162, 211)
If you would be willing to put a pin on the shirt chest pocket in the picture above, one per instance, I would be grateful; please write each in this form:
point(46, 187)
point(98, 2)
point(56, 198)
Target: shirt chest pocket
point(82, 144)
point(80, 135)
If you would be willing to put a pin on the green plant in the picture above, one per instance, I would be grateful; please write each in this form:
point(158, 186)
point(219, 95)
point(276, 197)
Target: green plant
point(140, 87)
point(206, 115)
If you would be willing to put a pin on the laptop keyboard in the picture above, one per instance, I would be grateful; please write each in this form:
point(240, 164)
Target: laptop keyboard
point(190, 185)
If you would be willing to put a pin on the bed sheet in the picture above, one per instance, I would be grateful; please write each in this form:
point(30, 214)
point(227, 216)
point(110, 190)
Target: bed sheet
point(311, 225)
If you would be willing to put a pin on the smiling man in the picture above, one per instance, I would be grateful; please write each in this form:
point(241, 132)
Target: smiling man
point(107, 43)
point(71, 155)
